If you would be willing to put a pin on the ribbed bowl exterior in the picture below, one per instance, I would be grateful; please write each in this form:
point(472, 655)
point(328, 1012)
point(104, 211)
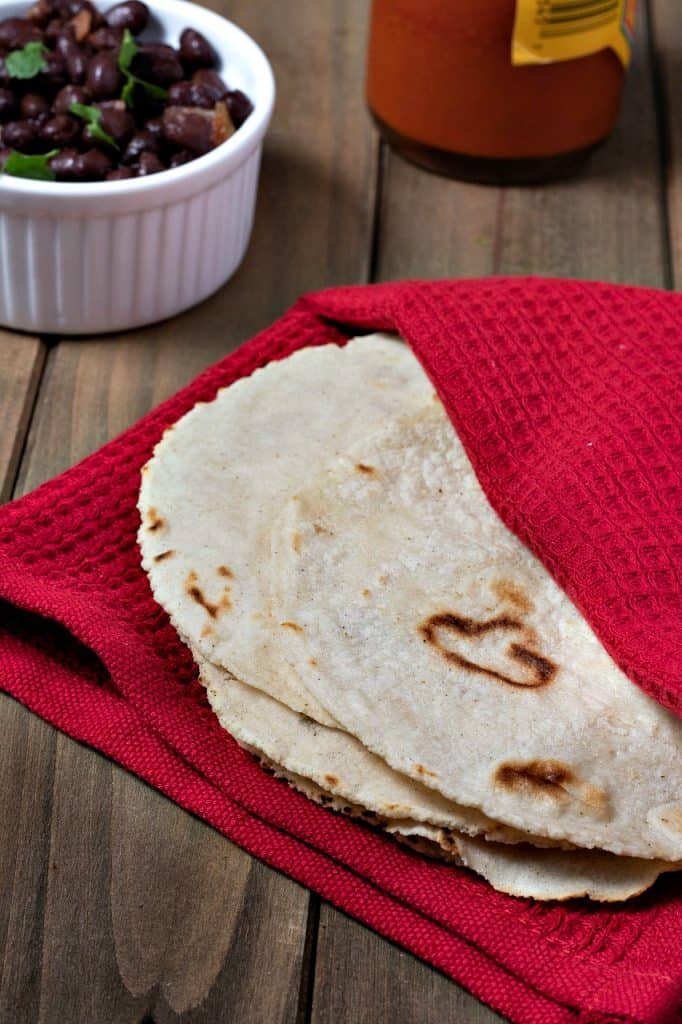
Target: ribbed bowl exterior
point(88, 274)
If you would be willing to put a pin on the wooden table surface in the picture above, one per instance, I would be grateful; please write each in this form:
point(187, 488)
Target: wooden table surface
point(115, 905)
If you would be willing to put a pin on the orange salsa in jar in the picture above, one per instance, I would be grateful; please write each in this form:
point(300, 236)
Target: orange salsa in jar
point(444, 92)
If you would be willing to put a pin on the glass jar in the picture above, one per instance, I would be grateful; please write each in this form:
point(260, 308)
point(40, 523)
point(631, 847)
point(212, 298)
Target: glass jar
point(444, 92)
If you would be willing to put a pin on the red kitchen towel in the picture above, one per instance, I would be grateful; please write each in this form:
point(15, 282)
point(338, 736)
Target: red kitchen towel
point(567, 398)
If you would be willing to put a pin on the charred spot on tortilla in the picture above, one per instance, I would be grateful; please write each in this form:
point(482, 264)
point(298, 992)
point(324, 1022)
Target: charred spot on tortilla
point(296, 541)
point(207, 630)
point(512, 594)
point(448, 839)
point(224, 570)
point(163, 555)
point(312, 662)
point(154, 520)
point(194, 591)
point(366, 592)
point(292, 625)
point(362, 467)
point(540, 669)
point(539, 776)
point(543, 668)
point(421, 770)
point(466, 626)
point(332, 780)
point(547, 777)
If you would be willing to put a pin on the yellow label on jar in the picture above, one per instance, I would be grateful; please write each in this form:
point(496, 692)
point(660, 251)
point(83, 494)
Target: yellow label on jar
point(551, 30)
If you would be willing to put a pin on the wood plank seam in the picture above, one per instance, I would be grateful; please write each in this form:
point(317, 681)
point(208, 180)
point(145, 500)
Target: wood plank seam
point(309, 961)
point(662, 109)
point(375, 239)
point(28, 409)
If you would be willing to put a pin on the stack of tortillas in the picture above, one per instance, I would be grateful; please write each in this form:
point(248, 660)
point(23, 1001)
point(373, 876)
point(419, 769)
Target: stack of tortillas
point(368, 627)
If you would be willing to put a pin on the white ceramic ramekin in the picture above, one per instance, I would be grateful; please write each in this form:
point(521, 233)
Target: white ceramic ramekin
point(106, 256)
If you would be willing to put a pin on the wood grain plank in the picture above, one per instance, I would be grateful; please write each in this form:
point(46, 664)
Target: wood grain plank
point(148, 914)
point(26, 771)
point(185, 914)
point(361, 978)
point(21, 363)
point(667, 48)
point(606, 224)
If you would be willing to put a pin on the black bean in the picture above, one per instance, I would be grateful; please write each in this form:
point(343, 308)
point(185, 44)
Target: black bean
point(8, 105)
point(164, 49)
point(211, 82)
point(155, 127)
point(64, 165)
point(106, 38)
point(70, 165)
point(40, 12)
point(180, 94)
point(120, 174)
point(149, 163)
point(21, 135)
point(239, 106)
point(103, 78)
point(132, 14)
point(55, 74)
point(75, 58)
point(68, 95)
point(16, 32)
point(141, 142)
point(61, 130)
point(202, 96)
point(188, 128)
point(33, 105)
point(95, 164)
point(157, 63)
point(190, 94)
point(182, 156)
point(53, 30)
point(118, 123)
point(195, 50)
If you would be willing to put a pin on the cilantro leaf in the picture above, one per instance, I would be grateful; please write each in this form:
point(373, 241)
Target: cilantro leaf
point(92, 117)
point(128, 90)
point(155, 92)
point(126, 55)
point(27, 62)
point(128, 50)
point(19, 165)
